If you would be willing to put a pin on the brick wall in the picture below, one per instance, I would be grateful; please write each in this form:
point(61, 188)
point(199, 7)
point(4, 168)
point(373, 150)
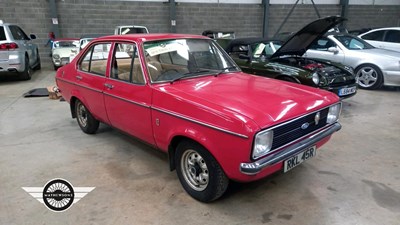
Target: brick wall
point(77, 17)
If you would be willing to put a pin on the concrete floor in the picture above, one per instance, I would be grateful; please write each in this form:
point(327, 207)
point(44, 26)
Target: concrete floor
point(355, 178)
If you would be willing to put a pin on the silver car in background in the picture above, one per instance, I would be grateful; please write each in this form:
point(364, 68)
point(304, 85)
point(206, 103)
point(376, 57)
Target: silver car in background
point(373, 67)
point(18, 54)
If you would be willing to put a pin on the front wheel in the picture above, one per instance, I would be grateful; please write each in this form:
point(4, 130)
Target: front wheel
point(199, 173)
point(85, 119)
point(369, 77)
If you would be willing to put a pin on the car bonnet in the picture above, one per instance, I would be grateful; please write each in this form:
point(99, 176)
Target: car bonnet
point(301, 41)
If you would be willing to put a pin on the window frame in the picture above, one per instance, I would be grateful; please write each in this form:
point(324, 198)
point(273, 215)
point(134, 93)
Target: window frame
point(90, 48)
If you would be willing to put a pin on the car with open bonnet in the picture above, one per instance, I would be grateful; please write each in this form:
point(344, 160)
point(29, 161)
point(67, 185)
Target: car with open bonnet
point(183, 95)
point(284, 60)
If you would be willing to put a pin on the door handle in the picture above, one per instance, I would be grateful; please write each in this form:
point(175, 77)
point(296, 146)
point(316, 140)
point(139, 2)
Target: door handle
point(78, 77)
point(109, 86)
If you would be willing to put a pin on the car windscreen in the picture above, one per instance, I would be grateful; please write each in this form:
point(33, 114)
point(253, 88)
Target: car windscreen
point(66, 44)
point(265, 48)
point(168, 60)
point(133, 30)
point(353, 43)
point(2, 34)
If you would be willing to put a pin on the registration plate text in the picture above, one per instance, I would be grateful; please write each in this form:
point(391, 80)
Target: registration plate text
point(299, 158)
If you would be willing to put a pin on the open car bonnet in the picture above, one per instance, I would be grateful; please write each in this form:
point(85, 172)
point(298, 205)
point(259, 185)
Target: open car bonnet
point(301, 41)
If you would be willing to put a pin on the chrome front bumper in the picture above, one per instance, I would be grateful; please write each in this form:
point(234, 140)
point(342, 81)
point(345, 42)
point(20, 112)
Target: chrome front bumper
point(256, 167)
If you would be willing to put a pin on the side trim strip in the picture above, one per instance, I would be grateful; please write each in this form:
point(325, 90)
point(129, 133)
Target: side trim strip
point(126, 100)
point(198, 122)
point(69, 82)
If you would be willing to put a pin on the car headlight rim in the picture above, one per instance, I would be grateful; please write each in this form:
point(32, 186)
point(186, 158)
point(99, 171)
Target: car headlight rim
point(56, 56)
point(315, 78)
point(262, 144)
point(334, 113)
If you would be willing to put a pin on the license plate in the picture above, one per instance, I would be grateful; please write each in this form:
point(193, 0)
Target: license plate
point(347, 91)
point(299, 158)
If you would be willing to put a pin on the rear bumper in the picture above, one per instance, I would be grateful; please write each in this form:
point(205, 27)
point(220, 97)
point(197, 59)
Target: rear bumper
point(15, 63)
point(257, 166)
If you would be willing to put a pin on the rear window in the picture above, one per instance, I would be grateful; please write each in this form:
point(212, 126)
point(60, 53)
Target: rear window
point(2, 34)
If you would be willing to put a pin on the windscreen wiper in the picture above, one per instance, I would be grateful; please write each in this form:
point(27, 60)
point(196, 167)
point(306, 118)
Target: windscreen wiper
point(188, 74)
point(223, 70)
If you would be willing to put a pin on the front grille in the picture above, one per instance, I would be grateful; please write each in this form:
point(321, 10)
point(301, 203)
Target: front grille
point(342, 79)
point(293, 130)
point(65, 59)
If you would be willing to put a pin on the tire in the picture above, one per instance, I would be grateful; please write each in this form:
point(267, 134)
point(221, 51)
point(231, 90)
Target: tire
point(27, 73)
point(199, 173)
point(38, 63)
point(369, 76)
point(85, 119)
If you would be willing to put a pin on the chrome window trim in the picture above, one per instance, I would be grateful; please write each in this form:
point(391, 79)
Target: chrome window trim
point(198, 122)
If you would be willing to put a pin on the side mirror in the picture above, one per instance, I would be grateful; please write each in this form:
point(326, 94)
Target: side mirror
point(333, 49)
point(32, 36)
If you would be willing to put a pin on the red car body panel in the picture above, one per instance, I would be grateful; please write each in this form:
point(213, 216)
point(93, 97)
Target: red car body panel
point(222, 113)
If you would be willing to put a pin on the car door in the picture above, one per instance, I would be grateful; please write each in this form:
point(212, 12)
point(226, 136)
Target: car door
point(325, 48)
point(127, 97)
point(91, 76)
point(25, 42)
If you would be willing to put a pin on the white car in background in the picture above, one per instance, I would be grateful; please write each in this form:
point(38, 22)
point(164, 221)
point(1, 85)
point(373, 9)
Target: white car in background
point(373, 67)
point(83, 41)
point(61, 51)
point(387, 38)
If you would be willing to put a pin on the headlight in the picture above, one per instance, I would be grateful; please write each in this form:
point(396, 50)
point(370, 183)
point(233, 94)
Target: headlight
point(333, 114)
point(315, 78)
point(56, 56)
point(262, 143)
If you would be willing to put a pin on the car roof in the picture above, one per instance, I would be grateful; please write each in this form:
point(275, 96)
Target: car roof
point(152, 36)
point(92, 35)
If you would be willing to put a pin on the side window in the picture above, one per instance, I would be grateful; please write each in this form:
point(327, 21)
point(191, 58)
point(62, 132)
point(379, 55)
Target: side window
point(95, 59)
point(239, 49)
point(18, 33)
point(126, 65)
point(374, 36)
point(393, 36)
point(322, 44)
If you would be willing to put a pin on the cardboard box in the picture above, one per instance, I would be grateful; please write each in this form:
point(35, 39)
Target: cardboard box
point(54, 93)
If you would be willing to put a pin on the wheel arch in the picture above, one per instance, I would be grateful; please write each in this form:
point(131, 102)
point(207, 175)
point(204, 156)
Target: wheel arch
point(72, 106)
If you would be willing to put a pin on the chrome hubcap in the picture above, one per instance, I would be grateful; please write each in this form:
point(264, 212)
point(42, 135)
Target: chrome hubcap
point(194, 170)
point(82, 115)
point(366, 77)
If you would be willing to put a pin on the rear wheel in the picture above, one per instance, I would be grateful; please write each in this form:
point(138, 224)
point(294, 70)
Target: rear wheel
point(369, 76)
point(85, 119)
point(199, 173)
point(27, 73)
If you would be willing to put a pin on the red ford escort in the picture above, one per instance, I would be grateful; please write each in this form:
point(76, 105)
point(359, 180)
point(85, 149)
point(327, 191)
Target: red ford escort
point(184, 95)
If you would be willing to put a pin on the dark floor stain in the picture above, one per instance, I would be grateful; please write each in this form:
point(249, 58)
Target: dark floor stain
point(334, 208)
point(328, 173)
point(266, 217)
point(331, 188)
point(384, 196)
point(285, 216)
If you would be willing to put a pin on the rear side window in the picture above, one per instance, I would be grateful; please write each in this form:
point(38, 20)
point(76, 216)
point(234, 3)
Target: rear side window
point(18, 33)
point(374, 36)
point(2, 34)
point(393, 36)
point(126, 65)
point(95, 60)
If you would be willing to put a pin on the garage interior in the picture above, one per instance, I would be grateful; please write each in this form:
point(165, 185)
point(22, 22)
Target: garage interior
point(354, 179)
